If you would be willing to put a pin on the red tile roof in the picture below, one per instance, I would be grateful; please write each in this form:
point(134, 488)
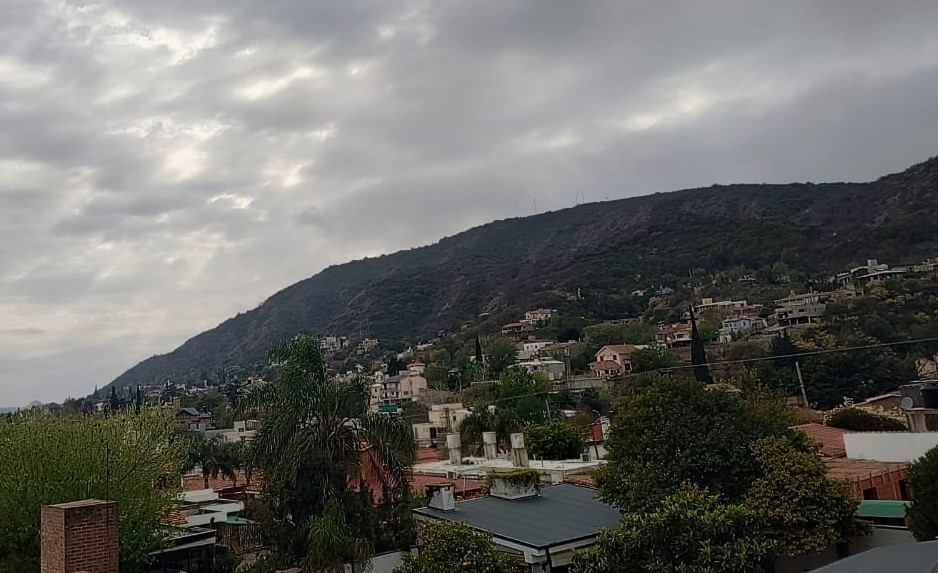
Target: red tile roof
point(855, 470)
point(605, 365)
point(585, 480)
point(832, 439)
point(463, 486)
point(194, 482)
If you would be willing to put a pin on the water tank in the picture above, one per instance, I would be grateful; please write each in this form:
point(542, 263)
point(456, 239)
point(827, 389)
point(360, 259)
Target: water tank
point(930, 394)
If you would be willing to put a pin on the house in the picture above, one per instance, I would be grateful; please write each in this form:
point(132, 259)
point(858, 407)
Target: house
point(613, 360)
point(673, 335)
point(545, 525)
point(332, 344)
point(190, 419)
point(529, 349)
point(869, 478)
point(740, 325)
point(723, 307)
point(553, 369)
point(366, 346)
point(538, 316)
point(395, 390)
point(442, 418)
point(800, 309)
point(515, 328)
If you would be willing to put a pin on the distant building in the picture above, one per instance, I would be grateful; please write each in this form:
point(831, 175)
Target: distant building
point(366, 346)
point(515, 328)
point(613, 360)
point(741, 325)
point(723, 307)
point(395, 390)
point(553, 369)
point(673, 335)
point(800, 309)
point(332, 344)
point(538, 316)
point(528, 349)
point(192, 420)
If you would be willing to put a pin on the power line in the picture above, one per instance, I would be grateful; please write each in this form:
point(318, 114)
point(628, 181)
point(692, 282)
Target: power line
point(799, 354)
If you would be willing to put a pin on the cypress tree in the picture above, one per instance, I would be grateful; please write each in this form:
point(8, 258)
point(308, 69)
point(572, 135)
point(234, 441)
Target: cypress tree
point(698, 354)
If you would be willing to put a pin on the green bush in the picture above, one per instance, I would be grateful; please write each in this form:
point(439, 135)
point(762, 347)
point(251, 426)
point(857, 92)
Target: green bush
point(554, 440)
point(859, 420)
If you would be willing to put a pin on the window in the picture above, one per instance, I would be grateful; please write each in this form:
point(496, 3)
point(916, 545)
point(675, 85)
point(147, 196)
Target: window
point(903, 490)
point(870, 493)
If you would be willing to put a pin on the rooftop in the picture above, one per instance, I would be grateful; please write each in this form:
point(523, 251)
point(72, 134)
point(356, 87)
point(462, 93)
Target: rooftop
point(563, 513)
point(907, 558)
point(480, 467)
point(832, 439)
point(855, 470)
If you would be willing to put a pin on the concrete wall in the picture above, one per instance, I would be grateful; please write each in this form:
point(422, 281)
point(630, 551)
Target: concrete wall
point(889, 446)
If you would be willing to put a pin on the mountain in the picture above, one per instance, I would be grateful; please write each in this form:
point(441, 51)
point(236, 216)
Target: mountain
point(620, 245)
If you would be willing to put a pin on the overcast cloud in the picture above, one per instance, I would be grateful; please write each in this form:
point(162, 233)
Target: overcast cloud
point(164, 165)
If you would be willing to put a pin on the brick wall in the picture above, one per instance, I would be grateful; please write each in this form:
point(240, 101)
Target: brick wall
point(80, 536)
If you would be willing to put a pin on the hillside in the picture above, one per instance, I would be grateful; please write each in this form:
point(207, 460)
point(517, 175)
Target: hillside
point(598, 247)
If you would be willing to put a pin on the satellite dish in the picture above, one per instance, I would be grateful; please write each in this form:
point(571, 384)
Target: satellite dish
point(906, 403)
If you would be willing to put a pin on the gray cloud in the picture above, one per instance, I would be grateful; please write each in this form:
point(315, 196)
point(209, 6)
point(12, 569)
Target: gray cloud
point(164, 165)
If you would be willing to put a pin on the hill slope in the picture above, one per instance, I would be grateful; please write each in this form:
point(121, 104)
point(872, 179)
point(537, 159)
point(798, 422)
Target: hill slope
point(598, 246)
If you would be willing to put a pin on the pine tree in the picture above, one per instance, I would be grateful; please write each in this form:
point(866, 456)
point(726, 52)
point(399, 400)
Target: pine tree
point(698, 354)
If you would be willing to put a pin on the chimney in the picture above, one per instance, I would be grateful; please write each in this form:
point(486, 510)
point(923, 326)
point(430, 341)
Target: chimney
point(515, 484)
point(454, 445)
point(519, 455)
point(441, 496)
point(79, 536)
point(489, 445)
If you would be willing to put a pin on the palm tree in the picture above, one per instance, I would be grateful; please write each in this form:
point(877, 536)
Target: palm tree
point(213, 457)
point(311, 445)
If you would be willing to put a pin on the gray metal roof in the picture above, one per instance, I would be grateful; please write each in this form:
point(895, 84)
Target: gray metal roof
point(561, 514)
point(903, 558)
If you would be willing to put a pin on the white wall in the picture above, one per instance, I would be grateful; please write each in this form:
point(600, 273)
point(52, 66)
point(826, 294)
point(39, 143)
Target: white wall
point(889, 446)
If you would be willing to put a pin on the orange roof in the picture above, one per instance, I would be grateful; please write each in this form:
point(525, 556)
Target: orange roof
point(627, 349)
point(585, 480)
point(463, 486)
point(194, 482)
point(832, 439)
point(856, 470)
point(427, 455)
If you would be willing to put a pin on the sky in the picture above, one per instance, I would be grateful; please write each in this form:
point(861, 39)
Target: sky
point(165, 165)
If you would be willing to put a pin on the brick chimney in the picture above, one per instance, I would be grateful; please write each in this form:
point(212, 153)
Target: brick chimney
point(80, 536)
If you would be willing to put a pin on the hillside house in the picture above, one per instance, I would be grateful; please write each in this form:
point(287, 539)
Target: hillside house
point(799, 309)
point(723, 307)
point(553, 369)
point(674, 335)
point(395, 390)
point(190, 419)
point(538, 316)
point(516, 328)
point(613, 360)
point(741, 325)
point(529, 349)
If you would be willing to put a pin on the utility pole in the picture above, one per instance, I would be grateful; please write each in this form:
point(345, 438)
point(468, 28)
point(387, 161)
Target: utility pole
point(804, 395)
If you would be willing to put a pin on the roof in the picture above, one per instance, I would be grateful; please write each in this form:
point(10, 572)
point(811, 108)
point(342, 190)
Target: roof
point(194, 482)
point(906, 557)
point(618, 348)
point(563, 513)
point(189, 411)
point(856, 470)
point(886, 508)
point(584, 480)
point(462, 485)
point(832, 439)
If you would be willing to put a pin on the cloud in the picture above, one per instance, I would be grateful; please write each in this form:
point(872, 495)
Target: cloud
point(164, 165)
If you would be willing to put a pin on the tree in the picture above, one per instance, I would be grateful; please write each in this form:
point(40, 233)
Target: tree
point(58, 459)
point(654, 357)
point(690, 532)
point(861, 420)
point(446, 547)
point(553, 440)
point(803, 510)
point(317, 437)
point(698, 354)
point(923, 481)
point(500, 354)
point(675, 431)
point(213, 457)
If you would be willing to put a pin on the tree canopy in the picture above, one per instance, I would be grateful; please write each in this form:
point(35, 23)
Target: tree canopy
point(690, 531)
point(675, 431)
point(554, 440)
point(446, 547)
point(923, 481)
point(58, 459)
